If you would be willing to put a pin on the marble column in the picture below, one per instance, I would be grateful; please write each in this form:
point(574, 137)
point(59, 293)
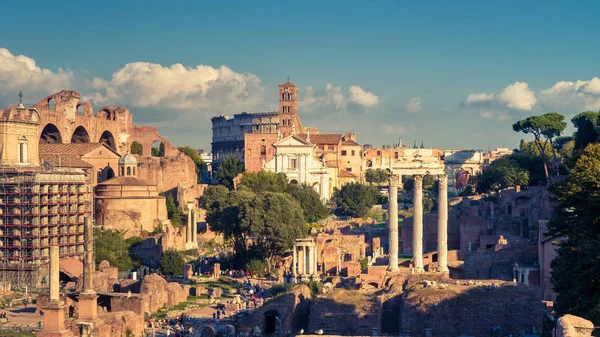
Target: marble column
point(294, 262)
point(189, 224)
point(310, 260)
point(194, 228)
point(393, 224)
point(442, 225)
point(417, 243)
point(301, 261)
point(54, 279)
point(88, 304)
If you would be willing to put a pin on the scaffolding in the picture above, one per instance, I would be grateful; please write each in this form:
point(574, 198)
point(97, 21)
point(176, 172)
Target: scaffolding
point(40, 207)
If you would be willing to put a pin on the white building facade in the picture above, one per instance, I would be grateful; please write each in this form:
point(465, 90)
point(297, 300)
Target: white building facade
point(296, 158)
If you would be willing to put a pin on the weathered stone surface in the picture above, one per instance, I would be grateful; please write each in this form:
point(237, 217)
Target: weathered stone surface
point(119, 323)
point(573, 326)
point(161, 293)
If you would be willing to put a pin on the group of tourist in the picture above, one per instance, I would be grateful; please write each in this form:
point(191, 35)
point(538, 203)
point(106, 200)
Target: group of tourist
point(236, 273)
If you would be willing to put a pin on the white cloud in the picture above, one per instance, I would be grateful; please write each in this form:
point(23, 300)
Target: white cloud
point(414, 105)
point(515, 96)
point(572, 96)
point(503, 118)
point(486, 114)
point(201, 88)
point(19, 72)
point(333, 96)
point(393, 129)
point(361, 97)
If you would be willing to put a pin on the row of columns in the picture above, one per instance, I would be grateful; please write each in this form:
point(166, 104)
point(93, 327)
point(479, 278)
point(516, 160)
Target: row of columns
point(417, 239)
point(304, 262)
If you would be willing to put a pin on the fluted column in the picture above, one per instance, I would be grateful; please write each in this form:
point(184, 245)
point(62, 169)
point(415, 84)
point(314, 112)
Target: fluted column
point(54, 278)
point(418, 223)
point(442, 228)
point(393, 224)
point(294, 261)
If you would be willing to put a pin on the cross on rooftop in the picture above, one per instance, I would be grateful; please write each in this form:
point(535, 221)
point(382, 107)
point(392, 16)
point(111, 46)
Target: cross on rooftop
point(20, 97)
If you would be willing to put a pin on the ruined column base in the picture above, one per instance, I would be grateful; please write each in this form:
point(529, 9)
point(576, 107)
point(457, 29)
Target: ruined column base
point(88, 306)
point(443, 270)
point(191, 245)
point(392, 268)
point(54, 320)
point(418, 270)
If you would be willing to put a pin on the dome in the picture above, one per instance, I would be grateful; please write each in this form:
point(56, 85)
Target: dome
point(127, 159)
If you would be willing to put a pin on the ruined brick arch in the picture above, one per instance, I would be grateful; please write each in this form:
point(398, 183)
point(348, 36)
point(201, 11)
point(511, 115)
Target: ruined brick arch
point(80, 135)
point(146, 135)
point(107, 138)
point(50, 135)
point(88, 111)
point(105, 113)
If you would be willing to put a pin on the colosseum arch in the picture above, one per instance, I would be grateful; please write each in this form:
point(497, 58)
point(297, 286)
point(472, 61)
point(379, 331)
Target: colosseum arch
point(108, 139)
point(80, 135)
point(50, 135)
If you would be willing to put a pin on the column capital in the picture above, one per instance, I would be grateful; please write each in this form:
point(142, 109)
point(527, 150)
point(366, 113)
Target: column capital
point(443, 181)
point(418, 179)
point(394, 180)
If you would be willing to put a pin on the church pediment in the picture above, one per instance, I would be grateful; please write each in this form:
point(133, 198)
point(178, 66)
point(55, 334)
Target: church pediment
point(293, 140)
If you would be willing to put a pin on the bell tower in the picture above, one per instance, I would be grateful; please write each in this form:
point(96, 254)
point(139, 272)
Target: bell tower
point(288, 109)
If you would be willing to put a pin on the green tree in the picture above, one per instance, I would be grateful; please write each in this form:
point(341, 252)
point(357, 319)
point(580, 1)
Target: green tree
point(427, 204)
point(195, 156)
point(158, 151)
point(275, 221)
point(547, 126)
point(263, 181)
point(136, 148)
point(502, 173)
point(576, 269)
point(377, 176)
point(228, 169)
point(310, 202)
point(587, 129)
point(113, 247)
point(356, 199)
point(173, 212)
point(171, 263)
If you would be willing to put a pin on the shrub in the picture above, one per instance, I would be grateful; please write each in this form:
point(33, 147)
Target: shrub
point(364, 264)
point(279, 289)
point(316, 287)
point(257, 267)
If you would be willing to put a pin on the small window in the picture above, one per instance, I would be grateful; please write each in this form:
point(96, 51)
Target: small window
point(263, 150)
point(99, 177)
point(379, 153)
point(282, 96)
point(321, 147)
point(21, 152)
point(129, 171)
point(353, 152)
point(284, 108)
point(290, 110)
point(348, 169)
point(330, 147)
point(122, 171)
point(343, 152)
point(396, 155)
point(293, 163)
point(134, 170)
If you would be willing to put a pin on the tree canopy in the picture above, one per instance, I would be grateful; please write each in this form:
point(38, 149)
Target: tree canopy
point(576, 269)
point(356, 199)
point(547, 126)
point(137, 148)
point(228, 169)
point(587, 128)
point(173, 212)
point(376, 176)
point(171, 263)
point(200, 164)
point(112, 246)
point(502, 173)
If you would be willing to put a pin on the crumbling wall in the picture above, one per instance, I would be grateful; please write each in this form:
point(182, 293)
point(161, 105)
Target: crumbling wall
point(573, 326)
point(167, 172)
point(161, 293)
point(469, 310)
point(122, 323)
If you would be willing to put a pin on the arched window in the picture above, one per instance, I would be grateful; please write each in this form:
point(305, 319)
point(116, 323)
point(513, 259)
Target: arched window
point(289, 96)
point(282, 96)
point(122, 171)
point(129, 171)
point(263, 150)
point(289, 109)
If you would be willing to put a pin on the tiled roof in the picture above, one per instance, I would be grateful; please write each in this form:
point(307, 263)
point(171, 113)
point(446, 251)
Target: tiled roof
point(125, 181)
point(346, 174)
point(324, 138)
point(72, 149)
point(350, 142)
point(287, 84)
point(63, 160)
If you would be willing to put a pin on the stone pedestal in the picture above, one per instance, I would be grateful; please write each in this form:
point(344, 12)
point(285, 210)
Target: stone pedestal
point(217, 270)
point(54, 320)
point(393, 224)
point(88, 306)
point(442, 225)
point(418, 224)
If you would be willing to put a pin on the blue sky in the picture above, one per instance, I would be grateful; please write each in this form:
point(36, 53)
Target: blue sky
point(453, 74)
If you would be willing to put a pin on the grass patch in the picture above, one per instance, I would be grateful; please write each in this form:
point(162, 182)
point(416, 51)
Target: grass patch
point(15, 332)
point(221, 283)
